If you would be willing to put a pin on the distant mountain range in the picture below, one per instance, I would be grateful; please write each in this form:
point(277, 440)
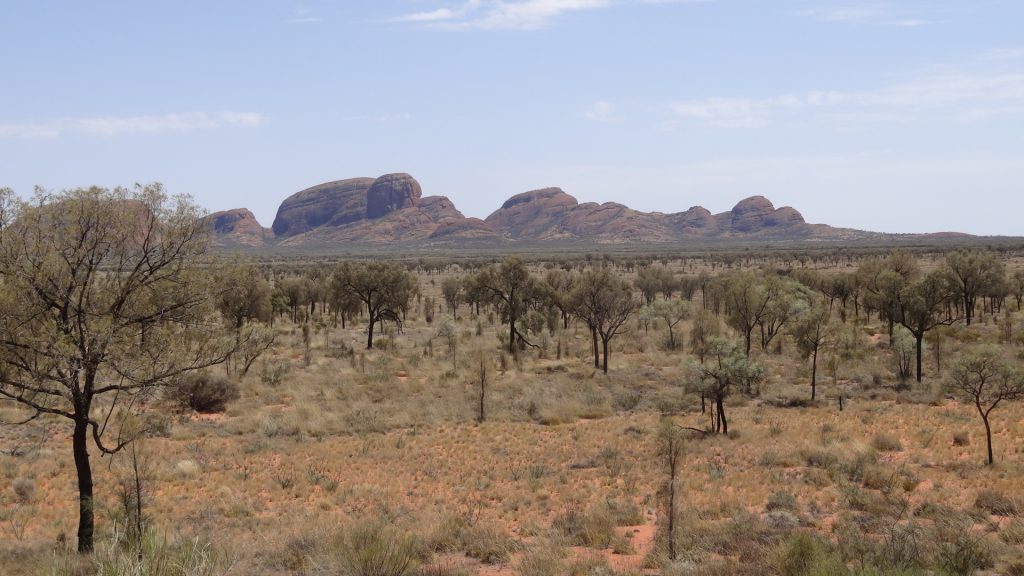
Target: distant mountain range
point(391, 209)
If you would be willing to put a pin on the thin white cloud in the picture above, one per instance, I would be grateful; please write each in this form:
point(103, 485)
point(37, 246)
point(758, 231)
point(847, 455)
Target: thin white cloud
point(600, 111)
point(303, 16)
point(122, 125)
point(864, 15)
point(512, 14)
point(965, 96)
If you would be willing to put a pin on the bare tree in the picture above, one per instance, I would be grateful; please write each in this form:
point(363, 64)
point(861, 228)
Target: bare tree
point(101, 299)
point(983, 378)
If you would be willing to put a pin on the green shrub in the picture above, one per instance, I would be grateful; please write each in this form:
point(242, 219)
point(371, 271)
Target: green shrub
point(781, 500)
point(806, 555)
point(205, 393)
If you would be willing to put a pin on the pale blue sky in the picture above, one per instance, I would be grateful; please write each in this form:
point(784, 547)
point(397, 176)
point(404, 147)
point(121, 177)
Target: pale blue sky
point(895, 116)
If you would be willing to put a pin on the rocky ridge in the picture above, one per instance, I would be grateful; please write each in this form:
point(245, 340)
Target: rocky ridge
point(392, 209)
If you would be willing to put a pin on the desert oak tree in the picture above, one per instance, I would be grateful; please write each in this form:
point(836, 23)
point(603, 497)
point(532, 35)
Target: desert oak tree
point(101, 303)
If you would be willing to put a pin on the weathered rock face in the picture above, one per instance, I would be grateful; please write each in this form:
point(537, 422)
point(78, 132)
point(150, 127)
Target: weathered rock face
point(392, 208)
point(534, 215)
point(695, 221)
point(371, 211)
point(391, 192)
point(238, 226)
point(331, 204)
point(551, 214)
point(786, 216)
point(466, 228)
point(750, 214)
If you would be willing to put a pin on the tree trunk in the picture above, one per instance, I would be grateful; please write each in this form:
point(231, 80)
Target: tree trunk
point(919, 340)
point(988, 438)
point(746, 340)
point(672, 507)
point(721, 415)
point(483, 392)
point(369, 334)
point(86, 518)
point(512, 336)
point(814, 373)
point(597, 360)
point(604, 348)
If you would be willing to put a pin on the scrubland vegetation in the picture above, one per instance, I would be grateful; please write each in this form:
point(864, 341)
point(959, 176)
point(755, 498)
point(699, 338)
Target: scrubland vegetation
point(756, 412)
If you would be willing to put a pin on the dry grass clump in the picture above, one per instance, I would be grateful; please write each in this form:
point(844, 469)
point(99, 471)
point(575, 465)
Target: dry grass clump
point(486, 543)
point(886, 443)
point(995, 503)
point(24, 489)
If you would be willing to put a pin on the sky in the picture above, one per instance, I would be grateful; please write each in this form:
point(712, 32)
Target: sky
point(895, 116)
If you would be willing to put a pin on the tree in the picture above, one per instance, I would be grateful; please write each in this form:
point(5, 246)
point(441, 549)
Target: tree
point(451, 289)
point(671, 312)
point(671, 446)
point(558, 286)
point(344, 303)
point(101, 299)
point(747, 299)
point(727, 368)
point(789, 300)
point(705, 327)
point(243, 295)
point(385, 288)
point(450, 334)
point(481, 380)
point(812, 331)
point(513, 289)
point(883, 280)
point(970, 272)
point(983, 377)
point(605, 302)
point(921, 306)
point(1017, 287)
point(652, 280)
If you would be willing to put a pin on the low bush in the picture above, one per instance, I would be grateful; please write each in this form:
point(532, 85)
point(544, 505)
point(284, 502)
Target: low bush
point(995, 503)
point(205, 393)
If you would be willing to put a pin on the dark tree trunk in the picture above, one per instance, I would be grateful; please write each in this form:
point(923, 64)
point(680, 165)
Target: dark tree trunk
point(597, 360)
point(721, 415)
point(814, 373)
point(512, 336)
point(604, 348)
point(988, 436)
point(919, 342)
point(86, 517)
point(369, 334)
point(483, 394)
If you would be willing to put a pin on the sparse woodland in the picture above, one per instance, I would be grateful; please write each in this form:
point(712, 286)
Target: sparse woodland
point(167, 410)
